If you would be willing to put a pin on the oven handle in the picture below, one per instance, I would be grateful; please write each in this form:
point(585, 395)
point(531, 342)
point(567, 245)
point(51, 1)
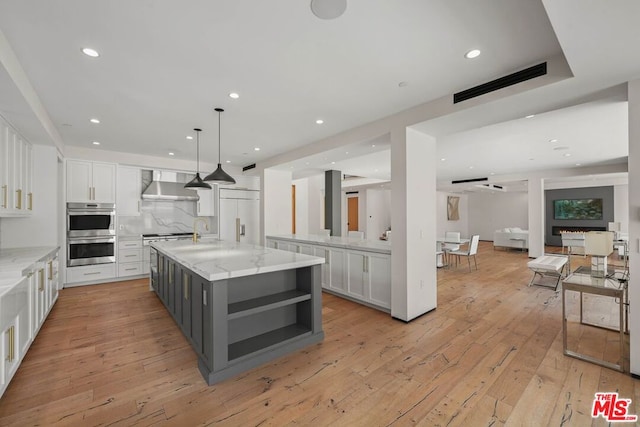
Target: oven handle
point(91, 212)
point(75, 241)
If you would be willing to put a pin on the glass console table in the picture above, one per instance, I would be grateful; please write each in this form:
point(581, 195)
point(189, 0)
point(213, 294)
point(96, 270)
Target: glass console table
point(608, 287)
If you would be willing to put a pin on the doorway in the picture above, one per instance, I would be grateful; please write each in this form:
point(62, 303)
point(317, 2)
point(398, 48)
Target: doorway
point(352, 214)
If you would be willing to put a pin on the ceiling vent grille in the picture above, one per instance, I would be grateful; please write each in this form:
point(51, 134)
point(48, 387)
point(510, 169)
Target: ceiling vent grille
point(248, 167)
point(462, 181)
point(506, 81)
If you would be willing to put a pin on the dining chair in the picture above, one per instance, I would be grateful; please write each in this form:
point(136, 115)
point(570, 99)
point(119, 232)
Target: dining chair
point(356, 234)
point(470, 252)
point(448, 246)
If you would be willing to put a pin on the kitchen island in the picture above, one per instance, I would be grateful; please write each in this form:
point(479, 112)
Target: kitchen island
point(239, 305)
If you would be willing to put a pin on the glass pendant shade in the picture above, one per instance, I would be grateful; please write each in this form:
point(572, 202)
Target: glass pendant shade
point(197, 182)
point(219, 176)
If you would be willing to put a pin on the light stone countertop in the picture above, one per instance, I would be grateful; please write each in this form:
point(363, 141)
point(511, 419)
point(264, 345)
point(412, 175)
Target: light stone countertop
point(378, 246)
point(219, 259)
point(16, 262)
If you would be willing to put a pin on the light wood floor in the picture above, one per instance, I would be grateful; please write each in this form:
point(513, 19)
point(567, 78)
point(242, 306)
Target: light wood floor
point(490, 354)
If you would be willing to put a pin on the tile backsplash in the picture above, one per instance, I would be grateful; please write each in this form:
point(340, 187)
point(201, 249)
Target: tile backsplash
point(164, 217)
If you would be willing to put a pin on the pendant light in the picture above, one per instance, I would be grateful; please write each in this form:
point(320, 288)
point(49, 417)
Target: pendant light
point(219, 176)
point(197, 182)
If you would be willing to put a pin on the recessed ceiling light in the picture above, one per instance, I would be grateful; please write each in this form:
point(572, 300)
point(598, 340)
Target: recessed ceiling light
point(346, 152)
point(530, 116)
point(578, 164)
point(492, 173)
point(473, 53)
point(470, 167)
point(333, 163)
point(171, 153)
point(373, 145)
point(319, 121)
point(96, 121)
point(95, 143)
point(256, 149)
point(234, 95)
point(90, 52)
point(567, 154)
point(189, 137)
point(553, 140)
point(442, 159)
point(228, 161)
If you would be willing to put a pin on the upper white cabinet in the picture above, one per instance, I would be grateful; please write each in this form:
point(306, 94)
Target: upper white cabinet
point(91, 182)
point(129, 189)
point(206, 205)
point(16, 172)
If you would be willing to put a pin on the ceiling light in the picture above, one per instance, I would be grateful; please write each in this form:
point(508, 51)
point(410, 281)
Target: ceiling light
point(256, 149)
point(319, 121)
point(228, 161)
point(234, 95)
point(171, 153)
point(553, 140)
point(530, 116)
point(96, 121)
point(90, 52)
point(197, 182)
point(373, 145)
point(473, 53)
point(442, 159)
point(95, 143)
point(328, 9)
point(492, 173)
point(470, 167)
point(346, 152)
point(567, 154)
point(218, 175)
point(189, 137)
point(333, 163)
point(578, 164)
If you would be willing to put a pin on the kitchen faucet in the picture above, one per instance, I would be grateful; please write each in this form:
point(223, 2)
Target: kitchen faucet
point(195, 224)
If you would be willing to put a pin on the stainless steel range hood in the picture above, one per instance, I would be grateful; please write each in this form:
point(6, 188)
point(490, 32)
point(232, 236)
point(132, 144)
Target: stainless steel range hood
point(167, 186)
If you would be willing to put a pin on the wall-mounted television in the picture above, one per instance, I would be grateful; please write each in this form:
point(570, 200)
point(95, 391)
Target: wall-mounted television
point(577, 209)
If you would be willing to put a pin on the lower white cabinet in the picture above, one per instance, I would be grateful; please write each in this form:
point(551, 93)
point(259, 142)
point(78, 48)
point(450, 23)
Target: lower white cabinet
point(336, 268)
point(90, 273)
point(131, 258)
point(14, 326)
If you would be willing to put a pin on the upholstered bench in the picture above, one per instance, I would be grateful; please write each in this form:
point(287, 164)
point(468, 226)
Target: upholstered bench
point(548, 265)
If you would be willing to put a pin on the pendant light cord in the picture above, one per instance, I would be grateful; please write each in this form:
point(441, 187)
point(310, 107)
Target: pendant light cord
point(219, 127)
point(197, 152)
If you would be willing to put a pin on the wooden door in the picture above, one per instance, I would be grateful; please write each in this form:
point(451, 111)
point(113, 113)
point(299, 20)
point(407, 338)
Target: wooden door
point(352, 214)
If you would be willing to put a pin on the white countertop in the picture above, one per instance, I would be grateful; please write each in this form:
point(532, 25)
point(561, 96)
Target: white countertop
point(379, 246)
point(219, 259)
point(16, 262)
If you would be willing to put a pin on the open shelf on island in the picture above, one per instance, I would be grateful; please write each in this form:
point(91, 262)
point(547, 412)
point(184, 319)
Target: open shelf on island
point(267, 302)
point(264, 341)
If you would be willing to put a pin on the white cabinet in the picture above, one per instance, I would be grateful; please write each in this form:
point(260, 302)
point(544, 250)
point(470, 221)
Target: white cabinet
point(90, 273)
point(128, 196)
point(130, 258)
point(90, 182)
point(336, 261)
point(16, 173)
point(369, 277)
point(206, 205)
point(322, 252)
point(14, 327)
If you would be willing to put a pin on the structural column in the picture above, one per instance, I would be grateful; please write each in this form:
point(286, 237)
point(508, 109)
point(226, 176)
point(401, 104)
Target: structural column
point(413, 224)
point(536, 217)
point(634, 223)
point(332, 202)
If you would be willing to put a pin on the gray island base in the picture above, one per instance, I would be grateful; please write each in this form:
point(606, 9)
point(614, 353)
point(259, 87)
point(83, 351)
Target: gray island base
point(238, 305)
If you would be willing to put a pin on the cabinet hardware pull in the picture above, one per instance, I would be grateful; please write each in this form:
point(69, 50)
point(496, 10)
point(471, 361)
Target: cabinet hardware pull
point(19, 195)
point(171, 274)
point(327, 258)
point(94, 193)
point(204, 297)
point(366, 264)
point(89, 274)
point(51, 270)
point(185, 286)
point(41, 279)
point(89, 193)
point(138, 206)
point(4, 196)
point(129, 256)
point(30, 196)
point(11, 352)
point(237, 229)
point(130, 269)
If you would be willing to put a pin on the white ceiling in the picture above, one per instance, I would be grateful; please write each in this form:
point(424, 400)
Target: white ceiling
point(165, 65)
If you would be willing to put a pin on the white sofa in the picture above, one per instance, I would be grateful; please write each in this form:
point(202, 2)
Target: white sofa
point(511, 237)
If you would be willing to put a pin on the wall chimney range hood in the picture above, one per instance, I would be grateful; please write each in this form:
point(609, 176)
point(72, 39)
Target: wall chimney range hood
point(166, 186)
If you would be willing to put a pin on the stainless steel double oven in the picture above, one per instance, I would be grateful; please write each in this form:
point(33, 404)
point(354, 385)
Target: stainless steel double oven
point(91, 234)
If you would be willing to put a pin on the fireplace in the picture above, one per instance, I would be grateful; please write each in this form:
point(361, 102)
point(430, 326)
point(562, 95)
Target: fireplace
point(556, 229)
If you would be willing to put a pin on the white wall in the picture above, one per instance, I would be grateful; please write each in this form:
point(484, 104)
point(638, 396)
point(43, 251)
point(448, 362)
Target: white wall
point(275, 203)
point(443, 224)
point(378, 212)
point(621, 206)
point(316, 203)
point(491, 211)
point(41, 228)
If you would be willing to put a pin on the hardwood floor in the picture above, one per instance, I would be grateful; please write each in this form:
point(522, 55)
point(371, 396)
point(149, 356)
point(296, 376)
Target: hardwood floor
point(490, 354)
